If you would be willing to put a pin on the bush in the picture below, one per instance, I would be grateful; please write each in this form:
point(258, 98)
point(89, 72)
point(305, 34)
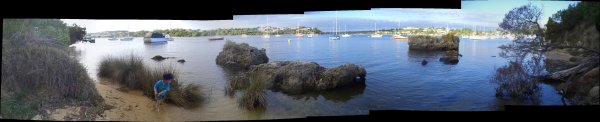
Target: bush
point(514, 82)
point(254, 97)
point(131, 71)
point(41, 69)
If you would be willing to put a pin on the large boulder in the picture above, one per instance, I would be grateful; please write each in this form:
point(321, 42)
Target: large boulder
point(582, 85)
point(343, 75)
point(451, 57)
point(593, 96)
point(288, 76)
point(301, 76)
point(241, 55)
point(421, 42)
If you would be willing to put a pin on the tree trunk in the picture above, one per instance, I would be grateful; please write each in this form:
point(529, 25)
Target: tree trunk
point(575, 72)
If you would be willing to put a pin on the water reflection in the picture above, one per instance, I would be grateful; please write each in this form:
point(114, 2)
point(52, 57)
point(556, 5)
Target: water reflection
point(418, 56)
point(237, 82)
point(518, 80)
point(338, 95)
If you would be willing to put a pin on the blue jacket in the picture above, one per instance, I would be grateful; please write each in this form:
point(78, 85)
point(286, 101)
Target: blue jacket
point(160, 87)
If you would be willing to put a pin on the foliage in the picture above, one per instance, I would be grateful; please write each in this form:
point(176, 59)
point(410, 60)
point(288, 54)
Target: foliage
point(45, 28)
point(523, 21)
point(570, 26)
point(76, 33)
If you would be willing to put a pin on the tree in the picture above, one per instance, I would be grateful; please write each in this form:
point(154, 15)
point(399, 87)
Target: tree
point(524, 21)
point(76, 33)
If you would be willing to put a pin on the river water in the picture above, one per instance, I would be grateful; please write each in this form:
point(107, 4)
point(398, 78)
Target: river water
point(395, 80)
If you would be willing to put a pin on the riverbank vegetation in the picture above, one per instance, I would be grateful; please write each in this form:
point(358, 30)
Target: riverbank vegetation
point(40, 73)
point(131, 71)
point(221, 32)
point(574, 29)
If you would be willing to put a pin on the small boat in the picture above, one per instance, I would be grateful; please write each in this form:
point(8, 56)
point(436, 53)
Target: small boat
point(244, 35)
point(335, 35)
point(310, 35)
point(169, 38)
point(154, 37)
point(266, 36)
point(399, 37)
point(346, 35)
point(346, 32)
point(376, 35)
point(113, 39)
point(89, 39)
point(299, 35)
point(216, 38)
point(126, 39)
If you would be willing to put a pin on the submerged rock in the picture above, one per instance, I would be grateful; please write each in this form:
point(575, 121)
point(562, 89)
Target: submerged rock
point(302, 76)
point(451, 57)
point(241, 55)
point(181, 60)
point(424, 62)
point(158, 58)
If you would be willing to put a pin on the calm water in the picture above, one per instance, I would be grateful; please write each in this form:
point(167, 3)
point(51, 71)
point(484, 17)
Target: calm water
point(396, 80)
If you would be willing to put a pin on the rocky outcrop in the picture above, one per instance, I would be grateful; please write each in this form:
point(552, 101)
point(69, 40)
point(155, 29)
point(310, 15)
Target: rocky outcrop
point(302, 76)
point(241, 55)
point(447, 42)
point(451, 57)
point(578, 81)
point(286, 76)
point(343, 75)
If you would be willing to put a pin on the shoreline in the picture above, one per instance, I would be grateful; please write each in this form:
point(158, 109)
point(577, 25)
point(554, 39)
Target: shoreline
point(124, 105)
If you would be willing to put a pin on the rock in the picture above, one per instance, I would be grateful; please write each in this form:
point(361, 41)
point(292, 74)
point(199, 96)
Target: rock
point(288, 76)
point(37, 117)
point(582, 85)
point(241, 55)
point(343, 75)
point(461, 55)
point(447, 42)
point(158, 58)
point(560, 59)
point(424, 62)
point(303, 76)
point(181, 60)
point(451, 57)
point(593, 96)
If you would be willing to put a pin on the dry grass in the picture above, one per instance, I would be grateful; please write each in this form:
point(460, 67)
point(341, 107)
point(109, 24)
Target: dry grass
point(131, 71)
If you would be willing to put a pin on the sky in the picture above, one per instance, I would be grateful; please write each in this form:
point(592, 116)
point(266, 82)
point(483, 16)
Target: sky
point(482, 15)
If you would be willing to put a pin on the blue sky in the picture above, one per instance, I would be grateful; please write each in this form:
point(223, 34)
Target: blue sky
point(479, 14)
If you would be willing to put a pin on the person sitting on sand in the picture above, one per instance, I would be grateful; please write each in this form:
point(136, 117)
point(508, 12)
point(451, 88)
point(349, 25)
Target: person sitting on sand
point(161, 87)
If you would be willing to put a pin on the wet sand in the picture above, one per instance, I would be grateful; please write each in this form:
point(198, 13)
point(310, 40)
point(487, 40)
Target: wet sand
point(130, 105)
